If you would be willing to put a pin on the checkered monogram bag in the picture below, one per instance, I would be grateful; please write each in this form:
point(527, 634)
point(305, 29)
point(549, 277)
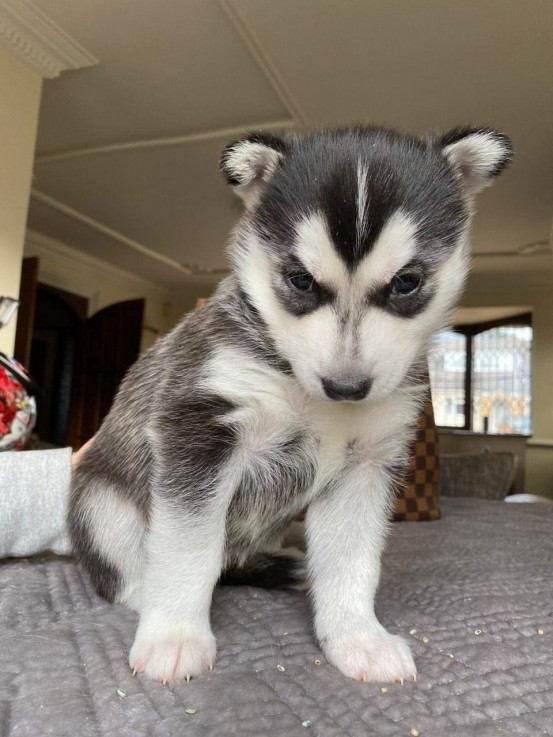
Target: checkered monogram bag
point(418, 496)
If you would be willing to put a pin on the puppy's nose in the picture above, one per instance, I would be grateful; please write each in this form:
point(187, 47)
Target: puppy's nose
point(346, 389)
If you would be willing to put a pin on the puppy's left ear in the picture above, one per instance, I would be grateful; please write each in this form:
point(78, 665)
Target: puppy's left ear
point(477, 154)
point(248, 164)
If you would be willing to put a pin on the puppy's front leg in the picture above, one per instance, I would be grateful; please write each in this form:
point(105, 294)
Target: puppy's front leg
point(184, 558)
point(346, 529)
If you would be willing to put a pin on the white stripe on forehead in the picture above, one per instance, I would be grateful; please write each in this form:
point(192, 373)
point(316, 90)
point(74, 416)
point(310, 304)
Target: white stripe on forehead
point(315, 250)
point(394, 248)
point(361, 224)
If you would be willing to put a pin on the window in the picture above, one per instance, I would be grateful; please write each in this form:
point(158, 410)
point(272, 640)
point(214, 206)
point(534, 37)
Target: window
point(501, 380)
point(448, 361)
point(481, 377)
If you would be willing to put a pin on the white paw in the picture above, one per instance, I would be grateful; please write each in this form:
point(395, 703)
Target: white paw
point(170, 656)
point(371, 656)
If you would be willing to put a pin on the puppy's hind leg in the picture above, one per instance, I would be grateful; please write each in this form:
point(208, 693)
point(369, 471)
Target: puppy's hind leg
point(108, 531)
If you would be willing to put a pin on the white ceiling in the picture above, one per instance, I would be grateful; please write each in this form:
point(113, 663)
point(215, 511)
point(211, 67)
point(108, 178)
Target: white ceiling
point(128, 150)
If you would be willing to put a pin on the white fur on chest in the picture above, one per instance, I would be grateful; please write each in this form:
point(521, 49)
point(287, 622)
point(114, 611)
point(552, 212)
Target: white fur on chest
point(272, 406)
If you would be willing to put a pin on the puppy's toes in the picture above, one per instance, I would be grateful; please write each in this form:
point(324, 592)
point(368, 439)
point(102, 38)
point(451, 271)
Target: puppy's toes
point(369, 656)
point(172, 657)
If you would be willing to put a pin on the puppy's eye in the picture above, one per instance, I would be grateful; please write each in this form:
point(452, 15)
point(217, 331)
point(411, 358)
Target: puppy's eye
point(404, 284)
point(302, 282)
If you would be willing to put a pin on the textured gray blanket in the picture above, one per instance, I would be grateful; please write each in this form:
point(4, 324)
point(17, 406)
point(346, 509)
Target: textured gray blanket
point(472, 593)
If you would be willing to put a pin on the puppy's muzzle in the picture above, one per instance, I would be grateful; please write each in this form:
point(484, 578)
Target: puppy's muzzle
point(346, 389)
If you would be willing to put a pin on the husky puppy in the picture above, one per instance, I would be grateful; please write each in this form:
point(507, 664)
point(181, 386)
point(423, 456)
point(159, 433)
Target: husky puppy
point(296, 386)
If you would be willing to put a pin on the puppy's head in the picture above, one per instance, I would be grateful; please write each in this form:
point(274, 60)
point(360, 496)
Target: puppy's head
point(353, 247)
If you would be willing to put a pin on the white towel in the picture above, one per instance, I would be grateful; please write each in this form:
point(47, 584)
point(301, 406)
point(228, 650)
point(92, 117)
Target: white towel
point(34, 490)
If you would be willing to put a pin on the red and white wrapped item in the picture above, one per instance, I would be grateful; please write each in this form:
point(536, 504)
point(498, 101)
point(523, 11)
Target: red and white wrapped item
point(17, 407)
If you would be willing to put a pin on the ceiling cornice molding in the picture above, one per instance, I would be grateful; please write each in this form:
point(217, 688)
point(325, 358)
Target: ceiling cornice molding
point(115, 235)
point(188, 270)
point(39, 42)
point(109, 272)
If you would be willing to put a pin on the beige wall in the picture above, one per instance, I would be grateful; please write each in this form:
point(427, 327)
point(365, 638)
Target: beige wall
point(184, 298)
point(19, 104)
point(525, 289)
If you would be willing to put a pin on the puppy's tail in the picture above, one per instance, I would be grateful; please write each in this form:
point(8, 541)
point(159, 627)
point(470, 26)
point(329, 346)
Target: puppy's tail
point(285, 569)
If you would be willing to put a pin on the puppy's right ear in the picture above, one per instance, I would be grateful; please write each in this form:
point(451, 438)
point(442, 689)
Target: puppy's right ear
point(248, 164)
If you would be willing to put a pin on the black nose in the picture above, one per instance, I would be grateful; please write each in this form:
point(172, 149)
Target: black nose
point(346, 389)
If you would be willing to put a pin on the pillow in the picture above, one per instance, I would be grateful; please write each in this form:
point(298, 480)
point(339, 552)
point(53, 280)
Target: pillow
point(418, 493)
point(486, 475)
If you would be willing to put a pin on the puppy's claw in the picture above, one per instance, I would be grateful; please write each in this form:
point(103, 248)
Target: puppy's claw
point(134, 671)
point(210, 666)
point(171, 657)
point(401, 681)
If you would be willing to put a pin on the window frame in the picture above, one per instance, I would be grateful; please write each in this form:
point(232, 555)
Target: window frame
point(469, 331)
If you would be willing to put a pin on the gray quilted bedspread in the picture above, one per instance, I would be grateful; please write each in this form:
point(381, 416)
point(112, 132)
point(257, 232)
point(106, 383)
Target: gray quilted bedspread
point(472, 593)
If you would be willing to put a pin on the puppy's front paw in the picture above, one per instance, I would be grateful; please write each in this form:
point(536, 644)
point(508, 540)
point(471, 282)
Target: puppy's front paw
point(172, 656)
point(371, 656)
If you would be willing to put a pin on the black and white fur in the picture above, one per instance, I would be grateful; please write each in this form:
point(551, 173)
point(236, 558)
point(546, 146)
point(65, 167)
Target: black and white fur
point(350, 255)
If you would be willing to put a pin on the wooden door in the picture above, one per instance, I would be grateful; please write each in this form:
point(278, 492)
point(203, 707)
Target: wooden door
point(109, 345)
point(26, 312)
